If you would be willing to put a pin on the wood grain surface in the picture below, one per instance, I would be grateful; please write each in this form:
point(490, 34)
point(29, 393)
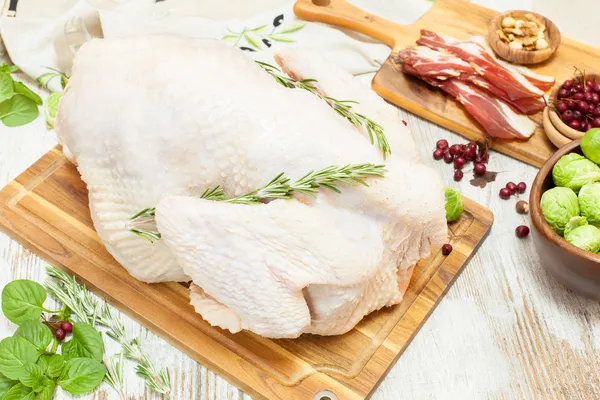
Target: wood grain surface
point(462, 20)
point(46, 209)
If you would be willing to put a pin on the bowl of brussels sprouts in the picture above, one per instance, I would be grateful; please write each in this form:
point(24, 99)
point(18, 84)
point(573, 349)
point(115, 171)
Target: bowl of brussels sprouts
point(565, 212)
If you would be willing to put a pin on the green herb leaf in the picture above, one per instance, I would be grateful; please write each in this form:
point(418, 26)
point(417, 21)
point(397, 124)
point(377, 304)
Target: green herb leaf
point(252, 41)
point(8, 69)
point(35, 333)
point(258, 29)
point(81, 375)
point(47, 391)
point(6, 86)
point(20, 88)
point(22, 300)
point(5, 385)
point(15, 354)
point(34, 377)
point(19, 392)
point(85, 343)
point(17, 111)
point(230, 37)
point(282, 39)
point(52, 365)
point(291, 29)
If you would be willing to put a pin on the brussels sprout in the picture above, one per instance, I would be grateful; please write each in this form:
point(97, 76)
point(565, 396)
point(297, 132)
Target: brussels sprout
point(590, 145)
point(574, 170)
point(573, 223)
point(586, 237)
point(454, 204)
point(589, 202)
point(559, 205)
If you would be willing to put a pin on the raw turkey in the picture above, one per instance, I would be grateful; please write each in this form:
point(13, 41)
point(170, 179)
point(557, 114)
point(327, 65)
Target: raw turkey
point(155, 120)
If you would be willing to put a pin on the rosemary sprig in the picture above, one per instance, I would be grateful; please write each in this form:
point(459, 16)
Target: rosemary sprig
point(280, 188)
point(115, 373)
point(77, 298)
point(342, 107)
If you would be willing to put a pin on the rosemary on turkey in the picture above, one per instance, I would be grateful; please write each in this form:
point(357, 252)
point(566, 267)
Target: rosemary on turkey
point(342, 107)
point(278, 188)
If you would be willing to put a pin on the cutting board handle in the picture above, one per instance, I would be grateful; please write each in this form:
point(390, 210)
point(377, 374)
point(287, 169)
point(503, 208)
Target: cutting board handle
point(343, 14)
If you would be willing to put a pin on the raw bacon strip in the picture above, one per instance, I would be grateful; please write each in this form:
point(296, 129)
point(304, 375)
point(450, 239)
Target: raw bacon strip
point(513, 84)
point(529, 106)
point(542, 82)
point(434, 64)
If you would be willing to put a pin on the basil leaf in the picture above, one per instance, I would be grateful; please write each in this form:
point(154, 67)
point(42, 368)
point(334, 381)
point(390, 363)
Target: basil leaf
point(20, 88)
point(85, 343)
point(8, 68)
point(5, 385)
point(17, 111)
point(34, 377)
point(52, 365)
point(6, 86)
point(35, 333)
point(47, 392)
point(19, 392)
point(81, 375)
point(15, 354)
point(23, 300)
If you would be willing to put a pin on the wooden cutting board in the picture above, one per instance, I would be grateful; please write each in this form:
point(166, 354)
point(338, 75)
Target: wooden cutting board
point(462, 20)
point(46, 209)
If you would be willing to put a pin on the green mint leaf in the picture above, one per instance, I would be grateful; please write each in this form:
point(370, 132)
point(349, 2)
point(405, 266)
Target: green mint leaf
point(20, 88)
point(52, 365)
point(47, 391)
point(6, 87)
point(5, 385)
point(8, 69)
point(22, 300)
point(292, 29)
point(85, 343)
point(34, 377)
point(19, 392)
point(15, 355)
point(35, 333)
point(17, 111)
point(282, 39)
point(82, 375)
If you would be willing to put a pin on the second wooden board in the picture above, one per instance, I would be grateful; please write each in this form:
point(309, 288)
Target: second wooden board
point(462, 20)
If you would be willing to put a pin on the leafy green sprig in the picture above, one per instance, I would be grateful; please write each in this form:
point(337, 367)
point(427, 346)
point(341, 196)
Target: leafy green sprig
point(342, 107)
point(18, 103)
point(278, 188)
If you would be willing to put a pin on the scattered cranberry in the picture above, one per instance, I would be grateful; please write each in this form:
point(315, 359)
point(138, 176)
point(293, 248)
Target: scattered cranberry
point(459, 162)
point(505, 193)
point(479, 169)
point(448, 158)
point(60, 334)
point(463, 148)
point(522, 231)
point(442, 144)
point(470, 153)
point(521, 187)
point(512, 187)
point(446, 249)
point(66, 326)
point(438, 154)
point(455, 149)
point(458, 175)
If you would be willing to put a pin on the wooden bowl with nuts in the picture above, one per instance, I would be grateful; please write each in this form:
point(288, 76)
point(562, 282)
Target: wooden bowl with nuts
point(523, 37)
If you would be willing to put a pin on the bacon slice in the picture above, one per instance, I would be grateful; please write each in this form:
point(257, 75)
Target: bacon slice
point(529, 106)
point(513, 84)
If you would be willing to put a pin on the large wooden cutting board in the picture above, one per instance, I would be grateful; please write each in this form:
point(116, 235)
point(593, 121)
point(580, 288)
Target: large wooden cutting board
point(462, 20)
point(46, 209)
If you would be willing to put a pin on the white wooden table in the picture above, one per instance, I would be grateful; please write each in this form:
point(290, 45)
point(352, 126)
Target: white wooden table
point(504, 330)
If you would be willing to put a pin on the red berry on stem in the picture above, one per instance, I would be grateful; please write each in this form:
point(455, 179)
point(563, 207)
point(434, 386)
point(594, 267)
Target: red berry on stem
point(589, 83)
point(438, 154)
point(442, 144)
point(522, 231)
point(446, 249)
point(458, 175)
point(470, 153)
point(455, 149)
point(596, 122)
point(521, 187)
point(459, 162)
point(66, 326)
point(472, 145)
point(561, 107)
point(562, 93)
point(568, 84)
point(463, 148)
point(579, 87)
point(596, 88)
point(448, 158)
point(577, 115)
point(479, 169)
point(505, 193)
point(512, 187)
point(575, 124)
point(596, 112)
point(587, 96)
point(595, 98)
point(583, 106)
point(567, 116)
point(571, 104)
point(60, 334)
point(578, 96)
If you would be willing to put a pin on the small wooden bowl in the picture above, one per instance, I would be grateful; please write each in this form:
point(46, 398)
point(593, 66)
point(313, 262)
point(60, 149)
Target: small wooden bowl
point(520, 56)
point(557, 138)
point(576, 268)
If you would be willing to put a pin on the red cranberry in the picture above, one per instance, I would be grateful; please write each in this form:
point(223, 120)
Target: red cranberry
point(472, 145)
point(571, 104)
point(446, 249)
point(512, 187)
point(568, 84)
point(587, 96)
point(562, 93)
point(458, 175)
point(578, 96)
point(505, 193)
point(455, 149)
point(522, 231)
point(583, 106)
point(66, 326)
point(470, 153)
point(567, 116)
point(589, 83)
point(596, 122)
point(579, 87)
point(459, 162)
point(463, 148)
point(442, 144)
point(595, 98)
point(575, 124)
point(521, 187)
point(596, 112)
point(561, 107)
point(577, 115)
point(448, 158)
point(479, 169)
point(596, 88)
point(438, 154)
point(60, 334)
